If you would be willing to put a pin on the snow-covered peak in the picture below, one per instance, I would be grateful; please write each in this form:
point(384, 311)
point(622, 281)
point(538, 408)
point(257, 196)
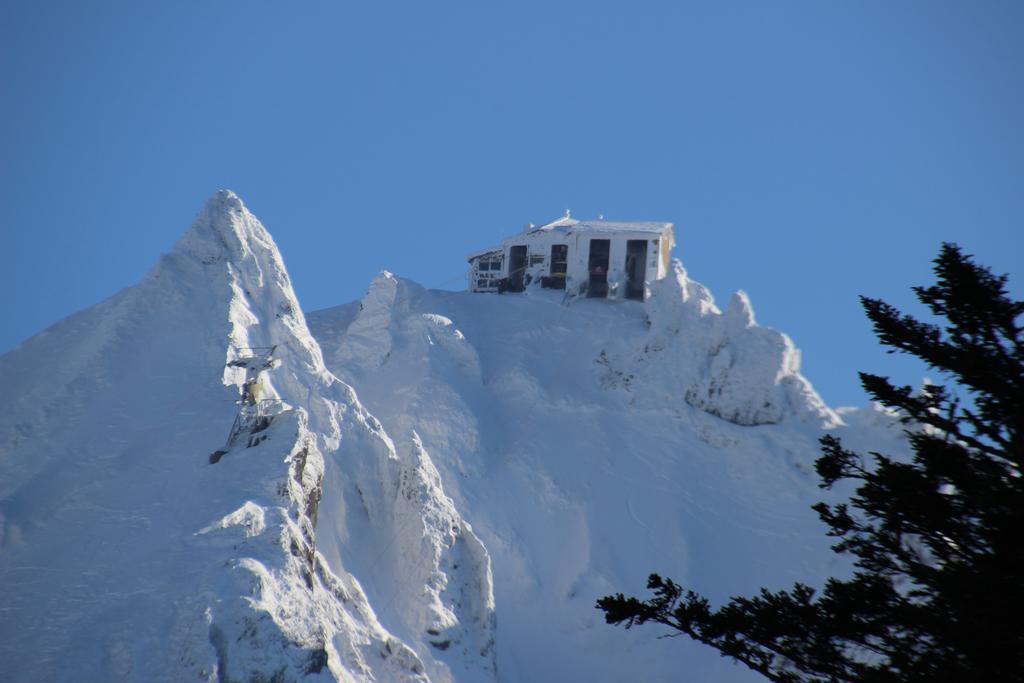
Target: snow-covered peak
point(224, 230)
point(592, 441)
point(370, 334)
point(724, 363)
point(231, 566)
point(229, 250)
point(580, 443)
point(668, 292)
point(740, 314)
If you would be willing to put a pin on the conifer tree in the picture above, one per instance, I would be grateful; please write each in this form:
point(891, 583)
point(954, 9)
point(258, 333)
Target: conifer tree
point(937, 593)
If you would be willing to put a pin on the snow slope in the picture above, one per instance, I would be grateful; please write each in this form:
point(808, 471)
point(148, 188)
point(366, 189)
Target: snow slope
point(508, 460)
point(126, 555)
point(592, 443)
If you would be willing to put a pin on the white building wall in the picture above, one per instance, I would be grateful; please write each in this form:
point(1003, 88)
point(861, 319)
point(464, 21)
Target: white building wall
point(578, 263)
point(617, 268)
point(577, 273)
point(664, 256)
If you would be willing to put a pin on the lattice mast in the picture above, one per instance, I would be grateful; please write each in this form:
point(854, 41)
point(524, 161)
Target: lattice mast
point(255, 410)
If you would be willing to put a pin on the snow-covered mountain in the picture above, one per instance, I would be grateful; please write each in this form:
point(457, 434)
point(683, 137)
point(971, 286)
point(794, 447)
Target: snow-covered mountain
point(449, 482)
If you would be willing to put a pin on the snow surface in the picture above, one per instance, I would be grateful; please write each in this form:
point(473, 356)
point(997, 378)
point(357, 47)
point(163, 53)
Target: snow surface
point(593, 443)
point(507, 461)
point(126, 555)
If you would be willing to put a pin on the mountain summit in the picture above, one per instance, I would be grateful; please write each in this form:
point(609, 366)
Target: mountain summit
point(508, 459)
point(126, 555)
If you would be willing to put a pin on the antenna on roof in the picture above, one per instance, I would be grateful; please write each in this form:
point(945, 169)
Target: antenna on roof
point(568, 213)
point(600, 216)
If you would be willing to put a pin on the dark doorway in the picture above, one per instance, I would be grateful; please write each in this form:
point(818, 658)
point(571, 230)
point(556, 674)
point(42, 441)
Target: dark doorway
point(636, 268)
point(598, 268)
point(559, 267)
point(516, 268)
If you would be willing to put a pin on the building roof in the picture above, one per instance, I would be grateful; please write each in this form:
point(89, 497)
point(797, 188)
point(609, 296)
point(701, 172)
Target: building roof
point(483, 252)
point(569, 225)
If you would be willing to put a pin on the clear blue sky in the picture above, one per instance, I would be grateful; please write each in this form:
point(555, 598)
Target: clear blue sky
point(807, 152)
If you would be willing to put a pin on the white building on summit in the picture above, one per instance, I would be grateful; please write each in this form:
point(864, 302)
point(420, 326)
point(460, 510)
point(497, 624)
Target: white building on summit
point(599, 258)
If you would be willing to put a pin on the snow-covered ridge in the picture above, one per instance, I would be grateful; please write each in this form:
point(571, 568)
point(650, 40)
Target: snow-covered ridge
point(735, 369)
point(116, 518)
point(594, 442)
point(508, 459)
point(723, 363)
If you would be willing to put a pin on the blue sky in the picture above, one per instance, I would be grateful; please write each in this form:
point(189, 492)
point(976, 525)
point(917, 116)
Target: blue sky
point(807, 152)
